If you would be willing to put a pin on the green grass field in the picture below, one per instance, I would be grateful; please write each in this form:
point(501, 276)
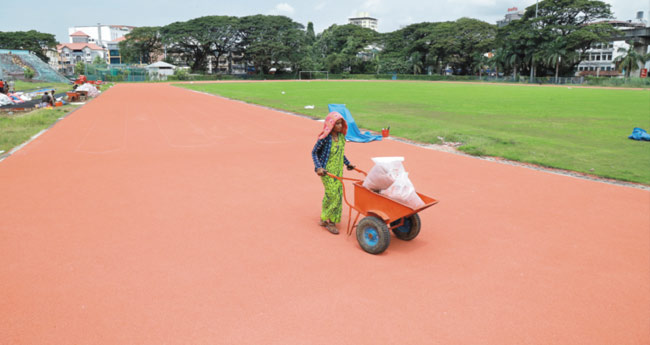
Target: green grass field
point(579, 129)
point(18, 128)
point(27, 86)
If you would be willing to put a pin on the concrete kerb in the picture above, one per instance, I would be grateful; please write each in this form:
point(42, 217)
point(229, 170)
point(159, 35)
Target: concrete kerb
point(449, 149)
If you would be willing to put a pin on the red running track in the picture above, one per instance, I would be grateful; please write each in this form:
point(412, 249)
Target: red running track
point(157, 215)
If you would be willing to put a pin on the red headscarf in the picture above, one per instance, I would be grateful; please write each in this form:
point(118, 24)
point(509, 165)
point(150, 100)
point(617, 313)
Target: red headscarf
point(330, 120)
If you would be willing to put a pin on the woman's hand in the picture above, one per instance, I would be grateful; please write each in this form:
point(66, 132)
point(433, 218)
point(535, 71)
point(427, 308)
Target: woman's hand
point(321, 172)
point(351, 167)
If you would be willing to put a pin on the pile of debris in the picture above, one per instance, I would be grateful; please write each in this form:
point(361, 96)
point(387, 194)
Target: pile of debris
point(28, 100)
point(14, 98)
point(90, 89)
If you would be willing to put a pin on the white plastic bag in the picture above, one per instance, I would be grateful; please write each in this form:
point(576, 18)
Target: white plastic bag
point(402, 190)
point(384, 173)
point(4, 99)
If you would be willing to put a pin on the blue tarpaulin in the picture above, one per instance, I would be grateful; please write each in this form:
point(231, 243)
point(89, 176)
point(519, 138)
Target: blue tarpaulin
point(354, 134)
point(639, 134)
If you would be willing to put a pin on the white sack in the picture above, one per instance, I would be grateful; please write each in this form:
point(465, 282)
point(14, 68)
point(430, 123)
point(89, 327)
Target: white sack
point(4, 99)
point(402, 190)
point(384, 173)
point(92, 90)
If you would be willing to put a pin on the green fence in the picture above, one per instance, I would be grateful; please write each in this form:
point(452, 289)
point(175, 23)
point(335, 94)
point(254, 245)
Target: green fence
point(116, 73)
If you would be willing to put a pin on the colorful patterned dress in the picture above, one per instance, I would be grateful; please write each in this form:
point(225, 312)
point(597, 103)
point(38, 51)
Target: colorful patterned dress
point(333, 199)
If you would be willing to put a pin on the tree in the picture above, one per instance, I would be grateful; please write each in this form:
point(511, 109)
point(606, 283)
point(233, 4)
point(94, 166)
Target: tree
point(28, 73)
point(554, 52)
point(499, 60)
point(416, 62)
point(479, 62)
point(474, 38)
point(32, 40)
point(311, 36)
point(99, 61)
point(271, 41)
point(393, 63)
point(437, 45)
point(79, 68)
point(197, 39)
point(631, 60)
point(412, 44)
point(571, 24)
point(339, 47)
point(142, 45)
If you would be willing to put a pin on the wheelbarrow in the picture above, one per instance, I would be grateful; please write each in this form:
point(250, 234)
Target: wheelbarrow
point(381, 214)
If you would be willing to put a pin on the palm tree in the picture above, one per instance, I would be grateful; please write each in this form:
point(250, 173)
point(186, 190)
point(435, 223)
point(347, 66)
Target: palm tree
point(630, 60)
point(512, 59)
point(499, 60)
point(479, 61)
point(416, 61)
point(554, 52)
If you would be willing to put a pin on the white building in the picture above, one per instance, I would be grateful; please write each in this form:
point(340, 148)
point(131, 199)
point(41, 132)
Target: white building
point(599, 59)
point(160, 70)
point(101, 34)
point(364, 20)
point(513, 14)
point(55, 59)
point(81, 50)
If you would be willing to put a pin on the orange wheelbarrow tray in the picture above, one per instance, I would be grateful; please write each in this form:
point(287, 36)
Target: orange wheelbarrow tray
point(381, 214)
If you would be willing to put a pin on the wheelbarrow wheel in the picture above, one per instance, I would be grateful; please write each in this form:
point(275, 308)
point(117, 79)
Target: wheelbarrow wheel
point(373, 235)
point(409, 230)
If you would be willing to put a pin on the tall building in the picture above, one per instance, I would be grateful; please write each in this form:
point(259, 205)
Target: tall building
point(101, 34)
point(513, 14)
point(79, 50)
point(364, 20)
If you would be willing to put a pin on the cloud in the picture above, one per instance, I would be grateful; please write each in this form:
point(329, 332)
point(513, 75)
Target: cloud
point(373, 6)
point(485, 3)
point(282, 8)
point(320, 6)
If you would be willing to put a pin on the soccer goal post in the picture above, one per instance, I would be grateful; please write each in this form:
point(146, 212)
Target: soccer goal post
point(306, 75)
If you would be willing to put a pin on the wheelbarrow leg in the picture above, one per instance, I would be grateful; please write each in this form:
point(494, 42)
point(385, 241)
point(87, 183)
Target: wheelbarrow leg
point(353, 224)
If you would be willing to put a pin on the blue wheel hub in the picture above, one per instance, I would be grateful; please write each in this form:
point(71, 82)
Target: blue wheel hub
point(371, 236)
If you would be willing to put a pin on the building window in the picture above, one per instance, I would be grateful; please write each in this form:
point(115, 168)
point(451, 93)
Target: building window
point(598, 57)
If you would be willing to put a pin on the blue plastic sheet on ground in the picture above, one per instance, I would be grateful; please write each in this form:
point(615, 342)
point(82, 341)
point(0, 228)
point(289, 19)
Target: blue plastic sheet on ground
point(639, 134)
point(354, 134)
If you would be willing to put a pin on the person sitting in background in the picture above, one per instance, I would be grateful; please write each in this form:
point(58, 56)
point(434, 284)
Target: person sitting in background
point(52, 99)
point(45, 100)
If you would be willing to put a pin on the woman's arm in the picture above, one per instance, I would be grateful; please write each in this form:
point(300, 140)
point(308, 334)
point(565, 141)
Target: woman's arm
point(316, 152)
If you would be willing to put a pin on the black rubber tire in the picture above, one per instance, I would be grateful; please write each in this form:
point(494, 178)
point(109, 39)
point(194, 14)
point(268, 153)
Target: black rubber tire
point(409, 230)
point(373, 235)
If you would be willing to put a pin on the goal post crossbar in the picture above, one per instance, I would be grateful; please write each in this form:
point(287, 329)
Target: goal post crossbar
point(300, 74)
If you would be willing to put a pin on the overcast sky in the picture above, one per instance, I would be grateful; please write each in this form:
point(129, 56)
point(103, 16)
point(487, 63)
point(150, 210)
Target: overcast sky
point(52, 17)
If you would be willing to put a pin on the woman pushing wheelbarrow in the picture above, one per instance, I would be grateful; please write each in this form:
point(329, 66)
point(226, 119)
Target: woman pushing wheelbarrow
point(381, 213)
point(328, 155)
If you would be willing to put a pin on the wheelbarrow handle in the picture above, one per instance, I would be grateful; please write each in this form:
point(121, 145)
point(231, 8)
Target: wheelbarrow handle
point(341, 178)
point(360, 171)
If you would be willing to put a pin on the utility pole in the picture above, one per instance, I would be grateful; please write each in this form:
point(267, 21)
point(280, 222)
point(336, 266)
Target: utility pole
point(532, 66)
